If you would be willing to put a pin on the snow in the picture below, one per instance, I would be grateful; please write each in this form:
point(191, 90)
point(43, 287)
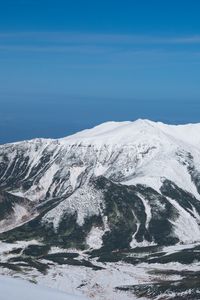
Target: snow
point(127, 132)
point(135, 244)
point(5, 248)
point(135, 152)
point(19, 212)
point(148, 151)
point(147, 210)
point(100, 169)
point(47, 179)
point(74, 174)
point(130, 153)
point(154, 182)
point(95, 284)
point(98, 285)
point(18, 289)
point(176, 248)
point(84, 201)
point(186, 227)
point(188, 133)
point(94, 238)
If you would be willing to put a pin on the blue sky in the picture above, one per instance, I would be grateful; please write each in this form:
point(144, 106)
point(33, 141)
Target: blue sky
point(68, 65)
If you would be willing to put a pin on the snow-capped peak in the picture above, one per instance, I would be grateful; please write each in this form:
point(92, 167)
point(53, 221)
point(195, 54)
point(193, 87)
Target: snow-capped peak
point(121, 133)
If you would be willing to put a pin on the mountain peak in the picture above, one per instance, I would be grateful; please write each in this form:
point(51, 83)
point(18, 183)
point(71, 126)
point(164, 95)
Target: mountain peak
point(128, 132)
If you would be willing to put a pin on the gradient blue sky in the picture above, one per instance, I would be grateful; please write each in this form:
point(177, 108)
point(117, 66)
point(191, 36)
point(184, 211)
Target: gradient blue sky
point(68, 65)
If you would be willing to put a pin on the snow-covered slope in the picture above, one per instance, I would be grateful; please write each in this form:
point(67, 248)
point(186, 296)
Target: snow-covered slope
point(129, 152)
point(123, 133)
point(143, 154)
point(22, 290)
point(146, 151)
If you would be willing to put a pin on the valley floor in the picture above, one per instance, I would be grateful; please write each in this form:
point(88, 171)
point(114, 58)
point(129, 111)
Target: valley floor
point(141, 273)
point(20, 289)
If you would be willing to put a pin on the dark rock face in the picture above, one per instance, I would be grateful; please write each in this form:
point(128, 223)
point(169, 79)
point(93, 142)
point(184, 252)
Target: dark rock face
point(124, 210)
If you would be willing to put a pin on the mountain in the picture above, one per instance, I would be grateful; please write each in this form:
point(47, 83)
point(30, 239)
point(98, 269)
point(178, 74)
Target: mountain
point(117, 187)
point(154, 168)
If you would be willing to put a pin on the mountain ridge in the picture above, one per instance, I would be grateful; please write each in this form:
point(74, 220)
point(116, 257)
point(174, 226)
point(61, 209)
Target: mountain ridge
point(130, 154)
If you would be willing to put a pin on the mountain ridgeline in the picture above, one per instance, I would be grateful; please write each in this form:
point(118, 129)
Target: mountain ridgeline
point(117, 186)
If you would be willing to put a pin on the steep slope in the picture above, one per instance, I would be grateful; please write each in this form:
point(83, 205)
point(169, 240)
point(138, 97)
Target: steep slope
point(124, 183)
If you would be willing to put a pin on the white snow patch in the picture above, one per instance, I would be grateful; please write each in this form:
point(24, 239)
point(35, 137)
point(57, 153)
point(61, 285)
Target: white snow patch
point(100, 170)
point(144, 243)
point(94, 238)
point(147, 210)
point(75, 171)
point(177, 248)
point(151, 181)
point(186, 227)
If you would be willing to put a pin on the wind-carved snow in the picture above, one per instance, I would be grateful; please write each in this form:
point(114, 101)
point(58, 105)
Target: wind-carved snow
point(84, 202)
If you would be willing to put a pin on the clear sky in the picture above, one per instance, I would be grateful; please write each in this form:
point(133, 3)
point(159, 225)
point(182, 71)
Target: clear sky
point(67, 65)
